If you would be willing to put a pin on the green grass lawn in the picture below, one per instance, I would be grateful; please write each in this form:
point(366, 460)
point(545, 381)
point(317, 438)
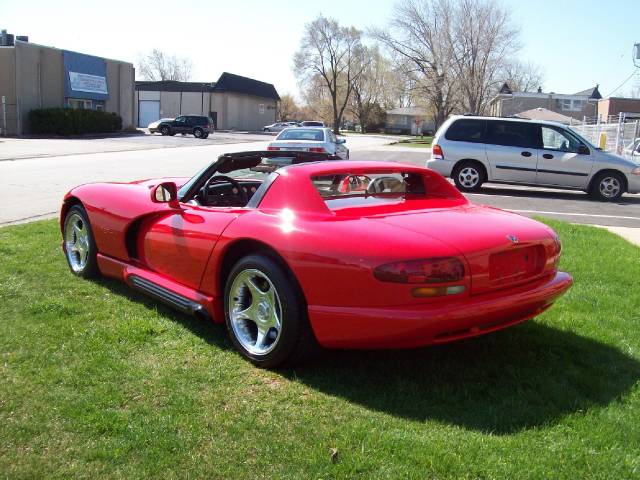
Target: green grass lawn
point(417, 142)
point(98, 381)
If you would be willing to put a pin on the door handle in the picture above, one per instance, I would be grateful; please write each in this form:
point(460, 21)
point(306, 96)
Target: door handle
point(547, 156)
point(525, 154)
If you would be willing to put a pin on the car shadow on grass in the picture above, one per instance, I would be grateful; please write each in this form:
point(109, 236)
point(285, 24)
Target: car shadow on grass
point(212, 333)
point(528, 376)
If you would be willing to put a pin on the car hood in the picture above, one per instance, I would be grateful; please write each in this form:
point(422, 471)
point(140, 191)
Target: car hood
point(613, 159)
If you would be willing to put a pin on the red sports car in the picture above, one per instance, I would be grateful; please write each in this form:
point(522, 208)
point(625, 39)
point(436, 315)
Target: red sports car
point(292, 253)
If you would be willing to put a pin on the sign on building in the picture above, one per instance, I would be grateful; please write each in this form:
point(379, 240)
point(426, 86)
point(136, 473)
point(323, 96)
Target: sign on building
point(83, 82)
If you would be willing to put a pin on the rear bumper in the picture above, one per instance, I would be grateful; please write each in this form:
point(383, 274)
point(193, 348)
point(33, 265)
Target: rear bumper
point(414, 326)
point(443, 167)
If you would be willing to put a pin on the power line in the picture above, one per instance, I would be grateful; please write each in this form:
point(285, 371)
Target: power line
point(622, 84)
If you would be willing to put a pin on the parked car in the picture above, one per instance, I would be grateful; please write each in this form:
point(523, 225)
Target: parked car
point(473, 150)
point(319, 140)
point(277, 127)
point(633, 150)
point(312, 123)
point(153, 126)
point(337, 253)
point(198, 125)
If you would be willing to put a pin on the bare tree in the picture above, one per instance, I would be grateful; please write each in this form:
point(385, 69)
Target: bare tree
point(328, 52)
point(158, 65)
point(481, 40)
point(368, 92)
point(288, 109)
point(522, 77)
point(416, 35)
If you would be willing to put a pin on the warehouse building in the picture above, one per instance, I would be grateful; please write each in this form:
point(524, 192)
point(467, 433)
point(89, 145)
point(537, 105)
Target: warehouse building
point(35, 76)
point(233, 102)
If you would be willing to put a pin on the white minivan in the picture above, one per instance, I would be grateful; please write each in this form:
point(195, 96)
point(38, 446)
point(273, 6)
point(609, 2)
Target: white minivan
point(474, 149)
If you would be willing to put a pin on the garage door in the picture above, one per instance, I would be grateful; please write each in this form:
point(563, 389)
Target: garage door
point(148, 111)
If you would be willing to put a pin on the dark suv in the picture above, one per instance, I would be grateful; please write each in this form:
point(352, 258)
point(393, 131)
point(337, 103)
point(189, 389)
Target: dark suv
point(198, 125)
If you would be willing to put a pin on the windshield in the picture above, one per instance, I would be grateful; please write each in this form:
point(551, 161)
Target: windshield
point(310, 134)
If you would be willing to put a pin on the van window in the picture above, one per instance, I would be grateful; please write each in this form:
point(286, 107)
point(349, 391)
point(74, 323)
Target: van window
point(466, 130)
point(513, 134)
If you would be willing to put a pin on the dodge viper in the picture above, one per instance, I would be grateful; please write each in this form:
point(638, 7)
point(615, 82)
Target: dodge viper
point(293, 251)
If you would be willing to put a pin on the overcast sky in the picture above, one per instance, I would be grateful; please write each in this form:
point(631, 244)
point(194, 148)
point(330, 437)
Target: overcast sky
point(577, 43)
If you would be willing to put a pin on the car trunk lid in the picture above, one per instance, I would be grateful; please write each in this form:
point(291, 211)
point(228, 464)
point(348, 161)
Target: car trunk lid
point(502, 249)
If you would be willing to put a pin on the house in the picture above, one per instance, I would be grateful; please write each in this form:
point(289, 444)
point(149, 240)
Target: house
point(576, 105)
point(408, 121)
point(544, 114)
point(35, 76)
point(610, 108)
point(233, 102)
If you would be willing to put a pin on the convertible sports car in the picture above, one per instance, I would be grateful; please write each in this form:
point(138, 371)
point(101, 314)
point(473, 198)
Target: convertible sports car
point(292, 253)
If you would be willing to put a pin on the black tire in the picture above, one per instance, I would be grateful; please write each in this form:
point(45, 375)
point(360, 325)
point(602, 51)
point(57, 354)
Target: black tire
point(294, 340)
point(77, 216)
point(165, 130)
point(608, 186)
point(198, 132)
point(205, 135)
point(469, 176)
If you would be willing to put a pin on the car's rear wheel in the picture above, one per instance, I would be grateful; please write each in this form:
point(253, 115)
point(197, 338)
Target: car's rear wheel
point(164, 130)
point(608, 186)
point(79, 244)
point(468, 176)
point(198, 132)
point(265, 313)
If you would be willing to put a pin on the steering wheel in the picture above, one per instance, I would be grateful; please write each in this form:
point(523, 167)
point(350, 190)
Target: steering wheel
point(242, 194)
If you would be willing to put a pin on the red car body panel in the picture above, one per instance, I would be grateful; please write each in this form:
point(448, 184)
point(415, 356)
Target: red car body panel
point(332, 253)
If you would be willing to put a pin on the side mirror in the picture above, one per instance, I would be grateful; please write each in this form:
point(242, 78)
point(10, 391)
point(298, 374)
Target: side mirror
point(583, 150)
point(166, 192)
point(341, 140)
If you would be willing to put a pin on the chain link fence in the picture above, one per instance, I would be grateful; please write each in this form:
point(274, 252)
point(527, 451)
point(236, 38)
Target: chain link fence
point(621, 137)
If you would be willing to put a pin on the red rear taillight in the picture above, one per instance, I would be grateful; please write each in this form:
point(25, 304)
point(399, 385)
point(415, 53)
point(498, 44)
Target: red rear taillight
point(436, 152)
point(273, 148)
point(317, 150)
point(428, 270)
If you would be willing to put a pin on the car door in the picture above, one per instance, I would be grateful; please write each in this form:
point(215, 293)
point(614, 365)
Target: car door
point(563, 160)
point(178, 244)
point(511, 149)
point(180, 125)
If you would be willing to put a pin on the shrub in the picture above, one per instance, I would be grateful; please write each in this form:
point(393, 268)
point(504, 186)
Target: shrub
point(67, 121)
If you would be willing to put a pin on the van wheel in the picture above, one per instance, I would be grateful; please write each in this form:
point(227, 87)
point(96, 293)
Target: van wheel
point(607, 186)
point(468, 176)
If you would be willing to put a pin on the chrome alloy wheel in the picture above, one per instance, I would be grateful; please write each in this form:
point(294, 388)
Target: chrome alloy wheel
point(255, 311)
point(469, 177)
point(609, 187)
point(76, 242)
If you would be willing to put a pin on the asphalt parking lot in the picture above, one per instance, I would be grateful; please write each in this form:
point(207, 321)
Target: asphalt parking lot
point(37, 173)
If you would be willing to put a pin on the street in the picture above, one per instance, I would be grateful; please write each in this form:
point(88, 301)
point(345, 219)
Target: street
point(33, 187)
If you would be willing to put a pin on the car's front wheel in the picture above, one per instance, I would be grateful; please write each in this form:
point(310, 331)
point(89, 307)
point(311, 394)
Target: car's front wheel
point(468, 176)
point(79, 244)
point(164, 130)
point(265, 313)
point(607, 186)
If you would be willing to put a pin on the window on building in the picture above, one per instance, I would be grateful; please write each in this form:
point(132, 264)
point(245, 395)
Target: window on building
point(261, 108)
point(79, 104)
point(99, 105)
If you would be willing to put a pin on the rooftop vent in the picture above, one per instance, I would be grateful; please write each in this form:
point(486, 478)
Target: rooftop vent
point(8, 39)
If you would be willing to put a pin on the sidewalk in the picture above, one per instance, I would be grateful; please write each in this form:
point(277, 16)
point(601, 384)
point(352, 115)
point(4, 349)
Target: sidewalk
point(632, 235)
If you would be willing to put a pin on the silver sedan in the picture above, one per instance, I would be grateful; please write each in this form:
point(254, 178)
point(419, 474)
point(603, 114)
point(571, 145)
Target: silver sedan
point(310, 139)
